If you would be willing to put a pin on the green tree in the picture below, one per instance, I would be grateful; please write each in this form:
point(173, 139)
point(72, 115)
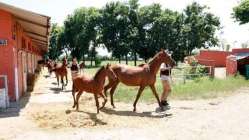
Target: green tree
point(114, 28)
point(61, 41)
point(80, 29)
point(133, 40)
point(199, 28)
point(54, 51)
point(241, 12)
point(167, 31)
point(147, 35)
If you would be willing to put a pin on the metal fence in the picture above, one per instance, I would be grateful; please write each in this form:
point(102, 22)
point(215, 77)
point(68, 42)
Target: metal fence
point(183, 74)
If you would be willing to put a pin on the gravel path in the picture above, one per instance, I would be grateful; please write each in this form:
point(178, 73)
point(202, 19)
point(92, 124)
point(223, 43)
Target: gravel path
point(47, 114)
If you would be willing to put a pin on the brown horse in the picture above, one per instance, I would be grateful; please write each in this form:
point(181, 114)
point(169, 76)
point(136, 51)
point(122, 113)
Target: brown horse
point(144, 75)
point(50, 65)
point(93, 85)
point(61, 72)
point(82, 66)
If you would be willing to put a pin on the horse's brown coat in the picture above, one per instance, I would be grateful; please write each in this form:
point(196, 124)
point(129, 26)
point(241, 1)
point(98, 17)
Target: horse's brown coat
point(93, 85)
point(142, 76)
point(61, 72)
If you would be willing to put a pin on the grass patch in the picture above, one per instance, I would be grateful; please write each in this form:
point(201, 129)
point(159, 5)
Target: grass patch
point(203, 88)
point(200, 88)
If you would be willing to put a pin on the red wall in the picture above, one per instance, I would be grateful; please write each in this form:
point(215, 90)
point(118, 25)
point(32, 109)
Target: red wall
point(221, 59)
point(16, 55)
point(213, 58)
point(6, 52)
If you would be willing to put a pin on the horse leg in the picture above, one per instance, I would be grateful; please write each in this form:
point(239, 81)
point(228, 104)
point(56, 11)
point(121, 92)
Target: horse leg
point(155, 94)
point(62, 82)
point(66, 80)
point(77, 99)
point(112, 93)
point(138, 96)
point(108, 86)
point(97, 101)
point(58, 80)
point(105, 100)
point(73, 93)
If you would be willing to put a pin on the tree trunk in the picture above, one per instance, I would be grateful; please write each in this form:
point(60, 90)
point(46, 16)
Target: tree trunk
point(126, 59)
point(119, 59)
point(91, 61)
point(135, 58)
point(83, 57)
point(92, 58)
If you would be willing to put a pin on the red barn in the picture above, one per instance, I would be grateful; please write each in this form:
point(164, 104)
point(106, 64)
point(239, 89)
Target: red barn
point(213, 58)
point(23, 41)
point(234, 61)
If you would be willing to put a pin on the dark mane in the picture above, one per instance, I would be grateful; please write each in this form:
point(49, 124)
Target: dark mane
point(97, 73)
point(154, 57)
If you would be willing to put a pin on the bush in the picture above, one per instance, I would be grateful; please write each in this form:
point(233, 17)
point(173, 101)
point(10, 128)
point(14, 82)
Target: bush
point(200, 69)
point(197, 71)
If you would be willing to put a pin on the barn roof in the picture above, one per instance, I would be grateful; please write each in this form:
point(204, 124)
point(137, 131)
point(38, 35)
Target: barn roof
point(35, 25)
point(240, 56)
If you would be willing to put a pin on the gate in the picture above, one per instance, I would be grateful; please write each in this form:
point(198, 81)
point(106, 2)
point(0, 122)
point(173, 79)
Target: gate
point(183, 74)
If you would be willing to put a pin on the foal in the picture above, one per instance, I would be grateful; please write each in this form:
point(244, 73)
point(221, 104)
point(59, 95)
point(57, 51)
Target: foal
point(50, 65)
point(61, 72)
point(93, 85)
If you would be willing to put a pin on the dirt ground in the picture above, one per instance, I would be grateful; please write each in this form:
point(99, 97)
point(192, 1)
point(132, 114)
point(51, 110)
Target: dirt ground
point(47, 114)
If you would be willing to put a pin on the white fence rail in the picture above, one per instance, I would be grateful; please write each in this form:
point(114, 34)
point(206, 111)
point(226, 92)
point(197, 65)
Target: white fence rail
point(4, 97)
point(183, 74)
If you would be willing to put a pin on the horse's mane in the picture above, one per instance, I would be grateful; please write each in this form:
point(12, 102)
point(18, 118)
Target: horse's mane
point(97, 73)
point(154, 57)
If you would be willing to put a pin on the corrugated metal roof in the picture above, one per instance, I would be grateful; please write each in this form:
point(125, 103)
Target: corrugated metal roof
point(241, 55)
point(36, 26)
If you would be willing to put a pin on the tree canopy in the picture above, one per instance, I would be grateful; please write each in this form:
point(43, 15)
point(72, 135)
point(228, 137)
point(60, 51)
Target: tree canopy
point(128, 30)
point(241, 12)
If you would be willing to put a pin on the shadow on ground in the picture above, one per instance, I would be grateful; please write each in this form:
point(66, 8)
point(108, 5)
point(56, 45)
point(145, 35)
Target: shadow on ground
point(15, 107)
point(131, 113)
point(46, 76)
point(56, 90)
point(54, 83)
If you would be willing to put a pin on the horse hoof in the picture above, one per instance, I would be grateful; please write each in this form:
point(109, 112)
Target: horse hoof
point(134, 110)
point(113, 106)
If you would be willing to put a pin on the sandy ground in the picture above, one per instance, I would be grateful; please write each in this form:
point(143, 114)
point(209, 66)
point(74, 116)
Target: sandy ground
point(47, 114)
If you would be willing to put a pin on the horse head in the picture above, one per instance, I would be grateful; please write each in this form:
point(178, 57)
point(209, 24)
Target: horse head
point(166, 58)
point(109, 72)
point(64, 61)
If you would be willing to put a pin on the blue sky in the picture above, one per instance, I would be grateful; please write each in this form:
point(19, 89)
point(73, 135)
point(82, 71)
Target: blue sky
point(59, 9)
